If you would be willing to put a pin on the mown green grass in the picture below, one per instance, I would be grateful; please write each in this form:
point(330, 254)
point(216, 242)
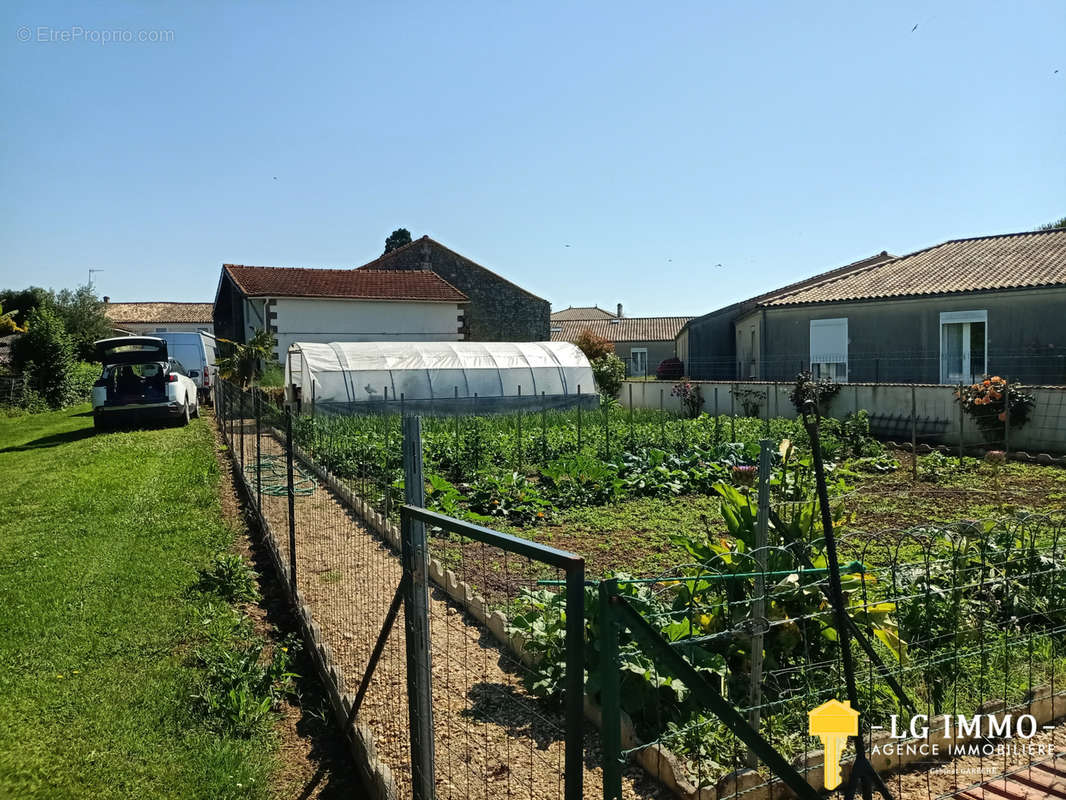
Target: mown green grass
point(101, 540)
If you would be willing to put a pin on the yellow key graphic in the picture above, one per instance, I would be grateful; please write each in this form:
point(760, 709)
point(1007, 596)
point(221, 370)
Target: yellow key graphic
point(833, 722)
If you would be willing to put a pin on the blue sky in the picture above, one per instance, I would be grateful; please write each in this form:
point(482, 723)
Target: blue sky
point(656, 140)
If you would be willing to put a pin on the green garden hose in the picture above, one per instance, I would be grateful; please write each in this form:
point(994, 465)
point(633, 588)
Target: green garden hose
point(274, 477)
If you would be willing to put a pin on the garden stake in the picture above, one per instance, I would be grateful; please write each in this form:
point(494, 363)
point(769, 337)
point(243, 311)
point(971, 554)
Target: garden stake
point(385, 452)
point(518, 440)
point(768, 411)
point(914, 434)
point(758, 611)
point(606, 433)
point(1006, 419)
point(662, 422)
point(717, 421)
point(631, 416)
point(579, 418)
point(862, 771)
point(456, 427)
point(733, 412)
point(543, 427)
point(960, 425)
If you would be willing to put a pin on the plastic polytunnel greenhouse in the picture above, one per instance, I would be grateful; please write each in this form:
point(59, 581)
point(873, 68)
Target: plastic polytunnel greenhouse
point(474, 377)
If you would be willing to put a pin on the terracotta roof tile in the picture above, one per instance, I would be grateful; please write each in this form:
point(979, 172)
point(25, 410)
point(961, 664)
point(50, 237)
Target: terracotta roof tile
point(158, 312)
point(407, 284)
point(1012, 261)
point(581, 312)
point(626, 329)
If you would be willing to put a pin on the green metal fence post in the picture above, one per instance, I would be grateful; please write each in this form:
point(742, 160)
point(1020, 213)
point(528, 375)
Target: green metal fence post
point(416, 617)
point(610, 693)
point(258, 458)
point(575, 682)
point(292, 500)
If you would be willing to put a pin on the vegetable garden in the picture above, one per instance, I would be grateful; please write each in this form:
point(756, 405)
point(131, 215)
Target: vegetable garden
point(952, 615)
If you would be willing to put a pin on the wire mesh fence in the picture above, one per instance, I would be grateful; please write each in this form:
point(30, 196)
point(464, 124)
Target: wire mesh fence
point(1040, 366)
point(949, 620)
point(948, 624)
point(331, 494)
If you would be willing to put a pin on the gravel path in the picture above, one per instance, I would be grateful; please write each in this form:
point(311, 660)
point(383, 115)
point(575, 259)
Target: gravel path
point(492, 739)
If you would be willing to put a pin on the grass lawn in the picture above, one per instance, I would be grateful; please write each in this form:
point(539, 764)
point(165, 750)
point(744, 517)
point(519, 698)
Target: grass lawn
point(102, 539)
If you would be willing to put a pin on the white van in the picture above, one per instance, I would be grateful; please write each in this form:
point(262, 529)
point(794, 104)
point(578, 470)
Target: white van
point(196, 351)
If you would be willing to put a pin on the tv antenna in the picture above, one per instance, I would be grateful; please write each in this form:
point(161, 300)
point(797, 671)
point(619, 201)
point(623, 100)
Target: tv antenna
point(91, 273)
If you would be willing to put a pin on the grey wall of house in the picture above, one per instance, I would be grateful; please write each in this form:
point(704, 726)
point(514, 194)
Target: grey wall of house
point(657, 351)
point(229, 313)
point(899, 340)
point(711, 347)
point(498, 310)
point(937, 410)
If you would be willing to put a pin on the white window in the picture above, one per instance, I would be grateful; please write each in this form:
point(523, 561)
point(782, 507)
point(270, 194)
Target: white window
point(829, 349)
point(638, 361)
point(963, 346)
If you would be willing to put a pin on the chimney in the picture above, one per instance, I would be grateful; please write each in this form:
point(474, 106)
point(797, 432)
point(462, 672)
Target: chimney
point(107, 299)
point(619, 311)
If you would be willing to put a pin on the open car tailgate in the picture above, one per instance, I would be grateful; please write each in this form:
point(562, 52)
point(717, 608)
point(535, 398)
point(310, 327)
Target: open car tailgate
point(131, 350)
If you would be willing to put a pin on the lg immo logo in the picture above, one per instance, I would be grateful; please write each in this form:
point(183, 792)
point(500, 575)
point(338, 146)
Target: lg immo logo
point(950, 734)
point(833, 722)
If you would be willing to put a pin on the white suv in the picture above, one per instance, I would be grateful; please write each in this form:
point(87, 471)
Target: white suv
point(141, 381)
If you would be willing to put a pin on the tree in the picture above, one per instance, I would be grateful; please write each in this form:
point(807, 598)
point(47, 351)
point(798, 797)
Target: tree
point(398, 238)
point(46, 355)
point(8, 323)
point(25, 301)
point(245, 363)
point(1059, 223)
point(82, 313)
point(592, 345)
point(609, 373)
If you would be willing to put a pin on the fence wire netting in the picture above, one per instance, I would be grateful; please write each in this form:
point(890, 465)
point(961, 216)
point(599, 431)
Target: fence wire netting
point(947, 619)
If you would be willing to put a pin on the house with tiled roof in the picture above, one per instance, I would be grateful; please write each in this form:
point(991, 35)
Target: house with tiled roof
point(944, 314)
point(641, 342)
point(327, 305)
point(158, 317)
point(497, 310)
point(571, 313)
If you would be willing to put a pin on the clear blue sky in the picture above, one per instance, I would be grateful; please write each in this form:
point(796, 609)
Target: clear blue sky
point(657, 140)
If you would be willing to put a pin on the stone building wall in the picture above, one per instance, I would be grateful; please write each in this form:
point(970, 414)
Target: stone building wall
point(498, 310)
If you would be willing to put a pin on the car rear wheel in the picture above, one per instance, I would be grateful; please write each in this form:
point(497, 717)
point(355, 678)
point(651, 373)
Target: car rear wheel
point(196, 408)
point(184, 419)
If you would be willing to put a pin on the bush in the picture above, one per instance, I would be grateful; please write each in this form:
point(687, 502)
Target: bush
point(594, 347)
point(691, 398)
point(46, 354)
point(986, 403)
point(609, 372)
point(670, 369)
point(83, 375)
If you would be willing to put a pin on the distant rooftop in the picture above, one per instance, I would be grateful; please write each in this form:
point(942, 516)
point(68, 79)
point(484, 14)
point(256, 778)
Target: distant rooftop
point(983, 263)
point(626, 329)
point(581, 312)
point(158, 312)
point(376, 284)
